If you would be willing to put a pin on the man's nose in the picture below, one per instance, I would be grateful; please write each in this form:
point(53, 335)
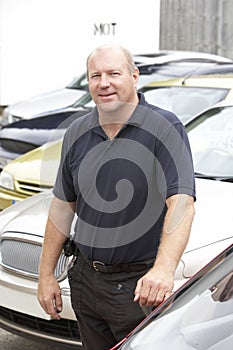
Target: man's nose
point(104, 80)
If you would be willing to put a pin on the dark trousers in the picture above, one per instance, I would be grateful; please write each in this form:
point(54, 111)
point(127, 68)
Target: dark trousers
point(103, 304)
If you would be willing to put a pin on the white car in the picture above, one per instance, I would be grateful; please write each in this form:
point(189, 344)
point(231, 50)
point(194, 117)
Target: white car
point(197, 316)
point(22, 228)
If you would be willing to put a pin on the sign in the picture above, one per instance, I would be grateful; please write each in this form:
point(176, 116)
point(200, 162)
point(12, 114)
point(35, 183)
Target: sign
point(44, 43)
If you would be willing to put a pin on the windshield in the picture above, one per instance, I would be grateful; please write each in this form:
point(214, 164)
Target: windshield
point(184, 101)
point(211, 142)
point(204, 323)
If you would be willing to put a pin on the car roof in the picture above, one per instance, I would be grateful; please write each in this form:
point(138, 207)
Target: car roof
point(164, 56)
point(185, 68)
point(220, 68)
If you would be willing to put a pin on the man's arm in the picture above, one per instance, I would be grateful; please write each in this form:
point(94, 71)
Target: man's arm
point(58, 226)
point(158, 283)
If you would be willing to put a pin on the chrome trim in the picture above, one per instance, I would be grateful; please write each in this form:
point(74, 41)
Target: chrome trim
point(22, 236)
point(27, 238)
point(29, 188)
point(18, 272)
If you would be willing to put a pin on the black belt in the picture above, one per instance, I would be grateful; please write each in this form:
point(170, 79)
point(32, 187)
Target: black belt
point(126, 267)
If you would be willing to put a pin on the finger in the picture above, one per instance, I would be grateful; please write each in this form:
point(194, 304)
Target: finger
point(52, 310)
point(162, 296)
point(144, 295)
point(58, 302)
point(151, 296)
point(167, 294)
point(158, 296)
point(137, 290)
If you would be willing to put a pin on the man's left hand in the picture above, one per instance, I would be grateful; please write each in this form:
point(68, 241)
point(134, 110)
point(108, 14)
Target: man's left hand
point(154, 287)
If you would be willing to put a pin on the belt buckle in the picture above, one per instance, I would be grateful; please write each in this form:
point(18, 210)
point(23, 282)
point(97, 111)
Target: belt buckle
point(97, 262)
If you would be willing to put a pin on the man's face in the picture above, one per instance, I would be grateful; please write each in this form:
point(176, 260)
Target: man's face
point(110, 82)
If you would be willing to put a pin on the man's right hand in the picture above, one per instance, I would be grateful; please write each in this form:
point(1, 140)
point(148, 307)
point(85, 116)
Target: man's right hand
point(57, 230)
point(49, 296)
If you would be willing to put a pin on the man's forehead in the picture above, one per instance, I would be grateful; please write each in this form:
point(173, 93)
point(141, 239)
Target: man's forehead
point(107, 68)
point(108, 57)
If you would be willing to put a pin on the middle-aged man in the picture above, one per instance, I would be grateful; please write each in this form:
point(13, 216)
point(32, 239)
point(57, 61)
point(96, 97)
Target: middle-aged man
point(126, 170)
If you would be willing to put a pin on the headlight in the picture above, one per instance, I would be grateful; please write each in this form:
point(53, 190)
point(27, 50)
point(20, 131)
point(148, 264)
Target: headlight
point(6, 180)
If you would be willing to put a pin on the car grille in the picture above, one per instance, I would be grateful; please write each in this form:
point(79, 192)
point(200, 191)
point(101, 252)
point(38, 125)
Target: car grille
point(62, 330)
point(20, 253)
point(29, 188)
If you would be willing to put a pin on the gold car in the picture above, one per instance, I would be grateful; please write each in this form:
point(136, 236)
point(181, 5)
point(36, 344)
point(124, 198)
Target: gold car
point(29, 174)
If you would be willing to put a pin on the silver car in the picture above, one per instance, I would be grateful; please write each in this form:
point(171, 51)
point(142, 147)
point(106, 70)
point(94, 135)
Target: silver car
point(198, 316)
point(158, 66)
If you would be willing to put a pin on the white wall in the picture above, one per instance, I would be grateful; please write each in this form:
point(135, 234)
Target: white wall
point(44, 43)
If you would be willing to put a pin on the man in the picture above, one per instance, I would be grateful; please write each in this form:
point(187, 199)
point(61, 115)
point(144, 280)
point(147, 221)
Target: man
point(126, 170)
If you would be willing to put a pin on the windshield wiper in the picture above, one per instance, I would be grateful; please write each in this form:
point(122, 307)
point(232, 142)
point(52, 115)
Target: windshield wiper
point(225, 178)
point(204, 176)
point(214, 177)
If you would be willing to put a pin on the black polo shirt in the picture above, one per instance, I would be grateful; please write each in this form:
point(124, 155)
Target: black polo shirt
point(120, 186)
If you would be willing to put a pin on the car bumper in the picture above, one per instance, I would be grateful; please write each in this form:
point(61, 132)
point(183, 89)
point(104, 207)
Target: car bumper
point(20, 313)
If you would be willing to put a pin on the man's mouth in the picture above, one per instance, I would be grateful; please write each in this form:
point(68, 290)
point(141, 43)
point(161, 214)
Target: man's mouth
point(107, 95)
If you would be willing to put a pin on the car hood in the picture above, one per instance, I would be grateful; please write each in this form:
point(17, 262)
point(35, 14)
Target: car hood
point(45, 103)
point(27, 216)
point(212, 222)
point(38, 166)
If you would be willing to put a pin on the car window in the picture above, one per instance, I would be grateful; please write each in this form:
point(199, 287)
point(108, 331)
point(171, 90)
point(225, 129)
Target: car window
point(79, 83)
point(212, 143)
point(185, 102)
point(204, 323)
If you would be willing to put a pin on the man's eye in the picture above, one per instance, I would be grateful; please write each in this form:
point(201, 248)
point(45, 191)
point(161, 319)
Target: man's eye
point(95, 76)
point(115, 73)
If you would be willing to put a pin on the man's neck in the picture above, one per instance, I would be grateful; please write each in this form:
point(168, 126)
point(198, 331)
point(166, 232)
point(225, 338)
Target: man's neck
point(112, 130)
point(112, 120)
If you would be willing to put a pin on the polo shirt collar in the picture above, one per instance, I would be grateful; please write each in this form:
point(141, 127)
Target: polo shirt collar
point(139, 114)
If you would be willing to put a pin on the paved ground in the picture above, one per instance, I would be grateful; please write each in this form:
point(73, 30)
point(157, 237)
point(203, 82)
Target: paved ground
point(10, 341)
